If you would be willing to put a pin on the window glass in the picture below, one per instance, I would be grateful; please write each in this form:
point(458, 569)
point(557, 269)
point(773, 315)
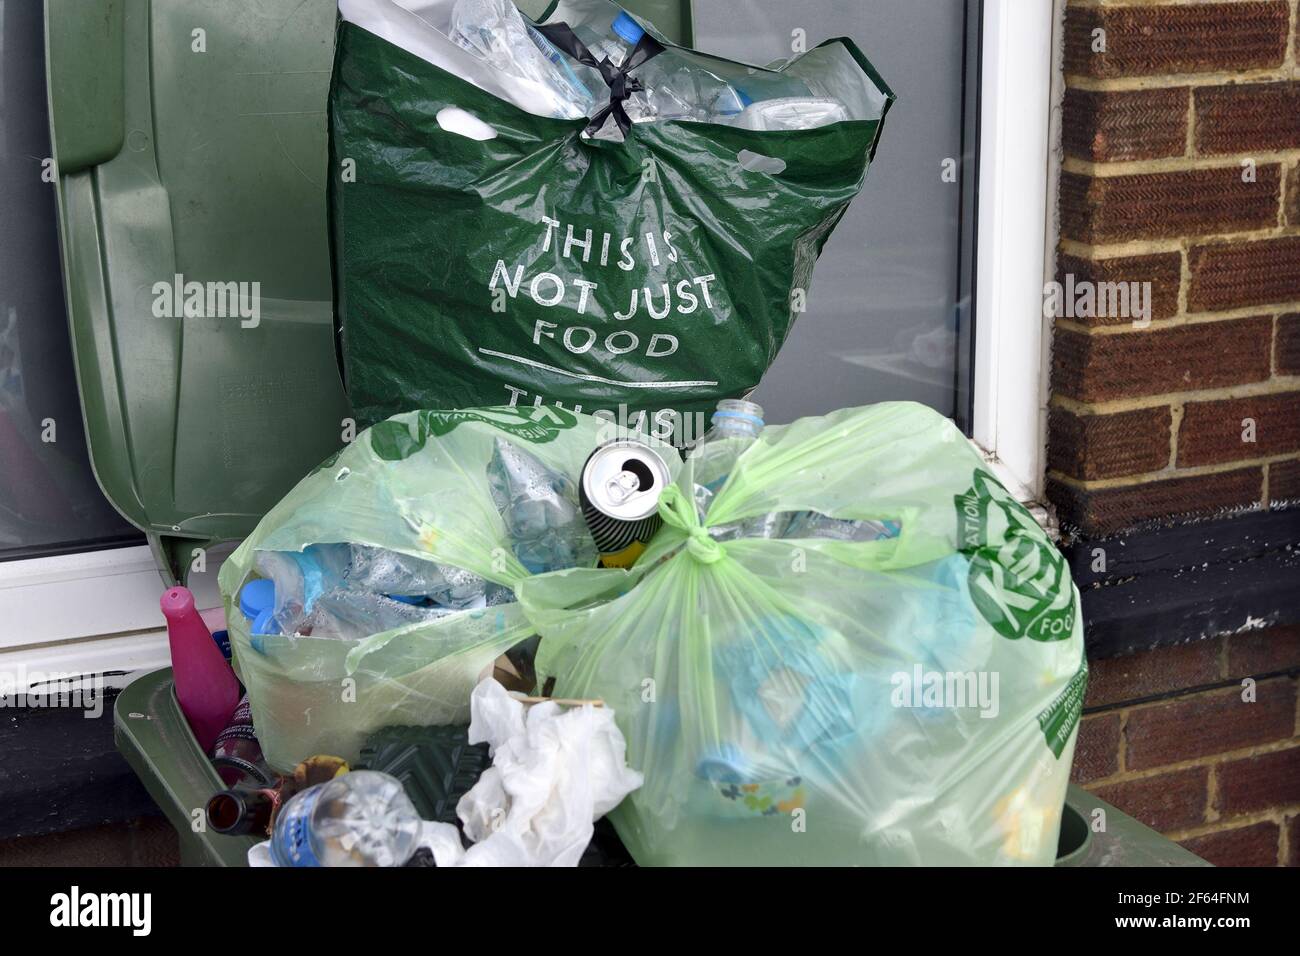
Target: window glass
point(49, 500)
point(888, 312)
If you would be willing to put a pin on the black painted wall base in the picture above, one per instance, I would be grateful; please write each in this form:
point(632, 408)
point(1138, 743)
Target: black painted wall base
point(1169, 585)
point(60, 770)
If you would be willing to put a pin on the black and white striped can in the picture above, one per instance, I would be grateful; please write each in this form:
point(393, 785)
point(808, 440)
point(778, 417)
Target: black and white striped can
point(619, 493)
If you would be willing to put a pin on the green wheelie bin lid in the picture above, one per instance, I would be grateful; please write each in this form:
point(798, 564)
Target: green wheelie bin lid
point(189, 138)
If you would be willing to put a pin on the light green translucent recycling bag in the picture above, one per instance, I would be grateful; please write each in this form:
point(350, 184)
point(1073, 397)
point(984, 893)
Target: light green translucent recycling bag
point(416, 484)
point(910, 699)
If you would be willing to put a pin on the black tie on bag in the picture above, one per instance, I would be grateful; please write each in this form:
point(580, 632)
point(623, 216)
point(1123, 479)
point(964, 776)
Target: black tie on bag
point(621, 86)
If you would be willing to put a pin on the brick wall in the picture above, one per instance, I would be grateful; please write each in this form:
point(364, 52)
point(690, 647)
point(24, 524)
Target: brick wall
point(1181, 172)
point(1171, 737)
point(1181, 169)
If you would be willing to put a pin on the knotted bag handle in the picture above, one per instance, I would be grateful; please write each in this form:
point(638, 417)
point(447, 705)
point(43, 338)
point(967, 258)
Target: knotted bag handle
point(621, 86)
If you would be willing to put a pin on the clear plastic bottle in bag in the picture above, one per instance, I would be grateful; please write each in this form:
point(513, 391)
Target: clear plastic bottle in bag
point(617, 44)
point(539, 508)
point(685, 91)
point(410, 579)
point(300, 578)
point(673, 88)
point(791, 113)
point(362, 818)
point(812, 524)
point(351, 615)
point(736, 425)
point(494, 31)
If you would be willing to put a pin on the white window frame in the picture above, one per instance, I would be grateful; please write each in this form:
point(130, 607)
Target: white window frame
point(97, 611)
point(93, 612)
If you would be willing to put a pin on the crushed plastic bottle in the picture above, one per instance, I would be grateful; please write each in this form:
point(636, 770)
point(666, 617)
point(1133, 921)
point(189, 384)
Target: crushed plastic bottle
point(348, 614)
point(300, 577)
point(813, 524)
point(791, 113)
point(673, 88)
point(494, 31)
point(680, 90)
point(540, 510)
point(362, 818)
point(414, 580)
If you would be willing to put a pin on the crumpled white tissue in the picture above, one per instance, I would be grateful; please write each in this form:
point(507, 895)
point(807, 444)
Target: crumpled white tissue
point(555, 770)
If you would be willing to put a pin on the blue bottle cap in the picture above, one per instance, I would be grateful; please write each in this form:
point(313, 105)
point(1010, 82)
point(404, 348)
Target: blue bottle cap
point(739, 416)
point(256, 597)
point(627, 28)
point(725, 763)
point(265, 623)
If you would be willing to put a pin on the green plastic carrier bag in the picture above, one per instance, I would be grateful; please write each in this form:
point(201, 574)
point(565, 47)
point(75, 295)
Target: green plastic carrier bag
point(902, 688)
point(420, 484)
point(490, 247)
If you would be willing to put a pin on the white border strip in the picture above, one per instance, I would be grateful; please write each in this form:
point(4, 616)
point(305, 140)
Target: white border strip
point(1012, 339)
point(89, 595)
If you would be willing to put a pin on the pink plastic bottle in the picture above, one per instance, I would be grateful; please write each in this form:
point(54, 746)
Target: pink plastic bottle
point(205, 685)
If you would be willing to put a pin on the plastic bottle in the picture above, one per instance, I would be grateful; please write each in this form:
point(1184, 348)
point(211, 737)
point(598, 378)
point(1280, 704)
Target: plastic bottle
point(362, 818)
point(811, 524)
point(256, 596)
point(616, 45)
point(237, 755)
point(300, 578)
point(540, 511)
point(791, 113)
point(736, 425)
point(494, 31)
point(674, 88)
point(351, 615)
point(205, 685)
point(680, 90)
point(407, 578)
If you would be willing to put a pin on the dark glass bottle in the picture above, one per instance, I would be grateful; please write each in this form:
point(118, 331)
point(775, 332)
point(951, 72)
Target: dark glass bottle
point(238, 812)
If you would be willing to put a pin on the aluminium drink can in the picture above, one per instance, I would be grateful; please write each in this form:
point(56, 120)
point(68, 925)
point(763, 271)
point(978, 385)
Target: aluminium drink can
point(619, 494)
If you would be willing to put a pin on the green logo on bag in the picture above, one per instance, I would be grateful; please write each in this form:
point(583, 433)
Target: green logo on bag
point(1018, 580)
point(1061, 716)
point(394, 440)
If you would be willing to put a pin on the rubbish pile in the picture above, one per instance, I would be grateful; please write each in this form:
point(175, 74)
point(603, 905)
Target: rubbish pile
point(838, 641)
